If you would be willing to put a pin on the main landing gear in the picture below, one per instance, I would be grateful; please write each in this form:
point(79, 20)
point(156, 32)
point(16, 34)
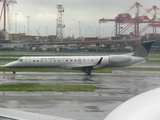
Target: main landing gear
point(87, 70)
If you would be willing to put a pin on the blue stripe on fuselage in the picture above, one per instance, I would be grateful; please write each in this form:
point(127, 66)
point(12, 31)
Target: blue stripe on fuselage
point(99, 62)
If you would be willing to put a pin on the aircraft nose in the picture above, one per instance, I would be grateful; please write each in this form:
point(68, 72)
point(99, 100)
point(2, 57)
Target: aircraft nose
point(9, 65)
point(6, 65)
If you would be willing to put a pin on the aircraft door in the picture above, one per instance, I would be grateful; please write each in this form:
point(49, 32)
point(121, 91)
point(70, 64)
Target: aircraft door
point(28, 61)
point(79, 60)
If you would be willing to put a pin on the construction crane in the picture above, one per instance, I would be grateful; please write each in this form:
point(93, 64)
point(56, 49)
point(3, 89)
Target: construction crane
point(6, 3)
point(92, 31)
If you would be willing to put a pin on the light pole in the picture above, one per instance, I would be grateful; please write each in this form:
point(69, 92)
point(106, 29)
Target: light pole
point(28, 25)
point(19, 28)
point(69, 32)
point(16, 23)
point(79, 29)
point(46, 31)
point(86, 33)
point(99, 30)
point(103, 32)
point(39, 30)
point(24, 29)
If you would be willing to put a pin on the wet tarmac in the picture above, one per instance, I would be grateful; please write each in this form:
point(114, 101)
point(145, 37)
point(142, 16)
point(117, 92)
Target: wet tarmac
point(114, 89)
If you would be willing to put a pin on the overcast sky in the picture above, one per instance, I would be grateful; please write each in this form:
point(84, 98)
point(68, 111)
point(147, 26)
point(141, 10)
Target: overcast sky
point(43, 13)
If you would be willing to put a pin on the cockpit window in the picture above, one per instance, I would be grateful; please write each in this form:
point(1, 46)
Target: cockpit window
point(20, 60)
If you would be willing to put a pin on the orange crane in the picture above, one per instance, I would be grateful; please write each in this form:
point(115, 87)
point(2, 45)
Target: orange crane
point(6, 3)
point(125, 18)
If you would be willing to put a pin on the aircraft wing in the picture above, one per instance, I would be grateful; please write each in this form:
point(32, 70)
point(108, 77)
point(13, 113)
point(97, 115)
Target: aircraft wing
point(81, 66)
point(21, 115)
point(145, 106)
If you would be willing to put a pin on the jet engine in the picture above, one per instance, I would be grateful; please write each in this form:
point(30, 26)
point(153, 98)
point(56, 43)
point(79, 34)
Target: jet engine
point(119, 58)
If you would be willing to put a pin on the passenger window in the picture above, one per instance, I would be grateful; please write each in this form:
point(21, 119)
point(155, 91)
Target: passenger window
point(37, 60)
point(33, 60)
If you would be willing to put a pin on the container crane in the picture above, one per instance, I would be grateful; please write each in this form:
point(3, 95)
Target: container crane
point(136, 20)
point(154, 22)
point(125, 18)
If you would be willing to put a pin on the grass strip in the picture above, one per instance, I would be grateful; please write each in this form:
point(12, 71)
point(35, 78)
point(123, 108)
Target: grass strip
point(8, 55)
point(21, 55)
point(47, 87)
point(104, 70)
point(156, 61)
point(8, 59)
point(108, 70)
point(154, 56)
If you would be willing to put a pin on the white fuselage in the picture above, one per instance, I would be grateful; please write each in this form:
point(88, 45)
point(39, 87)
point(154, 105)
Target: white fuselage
point(75, 62)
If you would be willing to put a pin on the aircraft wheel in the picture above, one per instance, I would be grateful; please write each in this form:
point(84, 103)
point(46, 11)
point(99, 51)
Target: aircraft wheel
point(14, 72)
point(89, 73)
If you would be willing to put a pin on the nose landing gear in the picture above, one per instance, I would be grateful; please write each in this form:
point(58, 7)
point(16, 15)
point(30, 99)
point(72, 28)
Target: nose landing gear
point(14, 72)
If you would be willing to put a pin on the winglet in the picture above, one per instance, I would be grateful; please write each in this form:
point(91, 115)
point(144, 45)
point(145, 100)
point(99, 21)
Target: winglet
point(99, 62)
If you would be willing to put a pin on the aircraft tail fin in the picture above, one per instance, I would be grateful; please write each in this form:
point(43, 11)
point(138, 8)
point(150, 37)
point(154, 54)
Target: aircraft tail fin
point(144, 49)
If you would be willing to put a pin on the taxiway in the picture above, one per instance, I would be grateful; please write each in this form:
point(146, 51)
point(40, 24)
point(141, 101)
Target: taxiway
point(115, 88)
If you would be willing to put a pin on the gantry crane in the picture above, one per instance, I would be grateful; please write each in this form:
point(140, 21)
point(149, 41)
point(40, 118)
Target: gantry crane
point(125, 18)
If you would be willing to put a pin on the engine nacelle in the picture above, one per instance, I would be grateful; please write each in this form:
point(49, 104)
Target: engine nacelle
point(119, 58)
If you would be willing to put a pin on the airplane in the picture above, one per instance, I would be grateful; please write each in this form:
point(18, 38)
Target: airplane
point(145, 106)
point(84, 63)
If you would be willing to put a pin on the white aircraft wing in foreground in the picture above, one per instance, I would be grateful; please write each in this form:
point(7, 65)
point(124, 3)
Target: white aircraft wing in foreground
point(145, 106)
point(21, 115)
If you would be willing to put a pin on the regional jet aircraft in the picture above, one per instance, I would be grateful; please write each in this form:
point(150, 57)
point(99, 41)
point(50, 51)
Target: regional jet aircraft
point(145, 106)
point(84, 63)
